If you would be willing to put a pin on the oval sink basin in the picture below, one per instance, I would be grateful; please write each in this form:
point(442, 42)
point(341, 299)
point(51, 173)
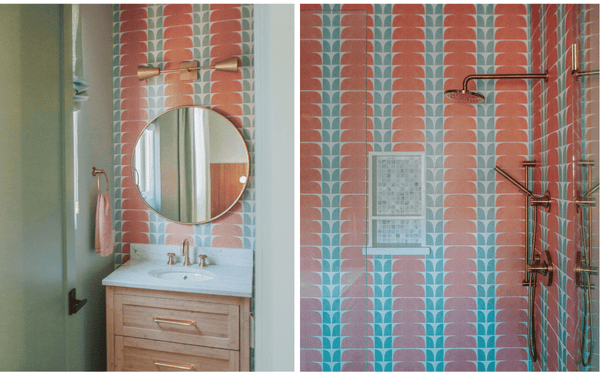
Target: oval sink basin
point(180, 275)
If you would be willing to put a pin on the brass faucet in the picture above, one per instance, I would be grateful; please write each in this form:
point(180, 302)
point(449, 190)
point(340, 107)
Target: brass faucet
point(185, 250)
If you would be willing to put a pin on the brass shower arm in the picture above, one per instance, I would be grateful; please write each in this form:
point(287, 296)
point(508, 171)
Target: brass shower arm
point(514, 182)
point(543, 76)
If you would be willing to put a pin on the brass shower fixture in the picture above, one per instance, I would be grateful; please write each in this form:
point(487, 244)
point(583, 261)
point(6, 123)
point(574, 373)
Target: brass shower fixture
point(544, 201)
point(471, 97)
point(575, 65)
point(188, 70)
point(535, 264)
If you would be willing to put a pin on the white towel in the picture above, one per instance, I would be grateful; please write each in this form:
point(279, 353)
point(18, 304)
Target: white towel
point(104, 235)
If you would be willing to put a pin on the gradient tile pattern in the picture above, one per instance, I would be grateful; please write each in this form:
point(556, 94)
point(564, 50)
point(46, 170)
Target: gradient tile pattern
point(163, 36)
point(333, 175)
point(586, 138)
point(556, 306)
point(462, 307)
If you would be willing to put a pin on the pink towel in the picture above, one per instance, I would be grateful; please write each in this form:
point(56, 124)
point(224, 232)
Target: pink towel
point(104, 235)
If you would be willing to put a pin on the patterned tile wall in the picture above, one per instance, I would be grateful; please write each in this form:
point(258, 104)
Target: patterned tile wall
point(556, 144)
point(462, 307)
point(333, 186)
point(163, 36)
point(551, 126)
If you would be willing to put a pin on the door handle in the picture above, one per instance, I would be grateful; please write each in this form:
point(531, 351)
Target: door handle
point(75, 304)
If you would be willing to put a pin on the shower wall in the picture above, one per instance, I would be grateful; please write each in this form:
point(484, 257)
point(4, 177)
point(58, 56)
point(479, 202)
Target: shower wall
point(461, 307)
point(556, 148)
point(163, 36)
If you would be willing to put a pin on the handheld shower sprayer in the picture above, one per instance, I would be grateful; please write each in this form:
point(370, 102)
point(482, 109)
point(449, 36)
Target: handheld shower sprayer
point(535, 263)
point(472, 97)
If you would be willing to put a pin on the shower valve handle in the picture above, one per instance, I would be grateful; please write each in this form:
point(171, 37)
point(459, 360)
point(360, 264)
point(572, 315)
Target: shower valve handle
point(544, 201)
point(581, 268)
point(544, 268)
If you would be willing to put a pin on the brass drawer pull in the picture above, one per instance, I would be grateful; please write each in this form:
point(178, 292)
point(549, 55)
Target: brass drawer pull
point(175, 321)
point(181, 366)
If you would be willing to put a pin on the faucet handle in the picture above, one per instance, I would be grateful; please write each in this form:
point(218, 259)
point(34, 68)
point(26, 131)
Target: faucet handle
point(171, 259)
point(202, 260)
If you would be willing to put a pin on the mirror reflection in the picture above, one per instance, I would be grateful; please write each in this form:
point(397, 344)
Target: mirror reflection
point(190, 165)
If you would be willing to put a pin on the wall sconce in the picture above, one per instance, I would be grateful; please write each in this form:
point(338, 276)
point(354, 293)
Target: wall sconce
point(188, 70)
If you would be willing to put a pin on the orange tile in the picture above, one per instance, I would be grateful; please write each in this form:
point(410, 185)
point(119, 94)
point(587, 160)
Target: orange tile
point(459, 213)
point(133, 25)
point(135, 237)
point(512, 20)
point(178, 43)
point(223, 12)
point(227, 242)
point(133, 13)
point(178, 20)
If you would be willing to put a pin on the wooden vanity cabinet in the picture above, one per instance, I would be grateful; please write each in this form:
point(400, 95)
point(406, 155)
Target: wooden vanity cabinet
point(155, 330)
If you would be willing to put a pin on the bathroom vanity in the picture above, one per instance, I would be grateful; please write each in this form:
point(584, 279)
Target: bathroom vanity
point(168, 318)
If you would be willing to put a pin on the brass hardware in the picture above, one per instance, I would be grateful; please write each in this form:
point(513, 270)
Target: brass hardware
point(582, 268)
point(180, 366)
point(544, 268)
point(466, 96)
point(185, 251)
point(202, 260)
point(171, 259)
point(188, 70)
point(98, 172)
point(585, 163)
point(513, 181)
point(174, 321)
point(581, 201)
point(526, 282)
point(527, 164)
point(544, 201)
point(575, 65)
point(145, 72)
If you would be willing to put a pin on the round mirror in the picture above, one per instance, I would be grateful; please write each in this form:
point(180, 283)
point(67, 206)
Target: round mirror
point(190, 165)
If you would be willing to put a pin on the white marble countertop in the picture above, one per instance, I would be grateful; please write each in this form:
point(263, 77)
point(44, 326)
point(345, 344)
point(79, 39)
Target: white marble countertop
point(230, 269)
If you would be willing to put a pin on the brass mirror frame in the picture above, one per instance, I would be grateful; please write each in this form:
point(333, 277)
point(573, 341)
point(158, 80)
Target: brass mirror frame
point(247, 171)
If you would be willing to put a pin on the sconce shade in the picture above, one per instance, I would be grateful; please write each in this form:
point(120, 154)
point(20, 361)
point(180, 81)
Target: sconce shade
point(145, 72)
point(229, 65)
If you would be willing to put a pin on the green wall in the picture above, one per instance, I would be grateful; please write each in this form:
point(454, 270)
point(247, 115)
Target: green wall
point(32, 297)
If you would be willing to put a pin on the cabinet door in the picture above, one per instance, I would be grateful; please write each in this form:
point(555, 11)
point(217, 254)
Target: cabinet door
point(198, 323)
point(133, 354)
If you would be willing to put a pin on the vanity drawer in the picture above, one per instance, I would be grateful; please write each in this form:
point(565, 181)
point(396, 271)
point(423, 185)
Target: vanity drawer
point(133, 354)
point(188, 322)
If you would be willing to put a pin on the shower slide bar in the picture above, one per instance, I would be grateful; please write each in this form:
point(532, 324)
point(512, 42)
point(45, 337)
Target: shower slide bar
point(534, 265)
point(585, 266)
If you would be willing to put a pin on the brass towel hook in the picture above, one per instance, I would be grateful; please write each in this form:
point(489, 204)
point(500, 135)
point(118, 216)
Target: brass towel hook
point(98, 172)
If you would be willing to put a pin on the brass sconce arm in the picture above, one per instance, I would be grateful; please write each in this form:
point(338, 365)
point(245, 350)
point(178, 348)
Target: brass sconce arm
point(188, 70)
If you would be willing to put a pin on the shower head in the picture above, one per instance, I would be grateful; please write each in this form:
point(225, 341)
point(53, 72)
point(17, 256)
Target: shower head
point(471, 97)
point(464, 96)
